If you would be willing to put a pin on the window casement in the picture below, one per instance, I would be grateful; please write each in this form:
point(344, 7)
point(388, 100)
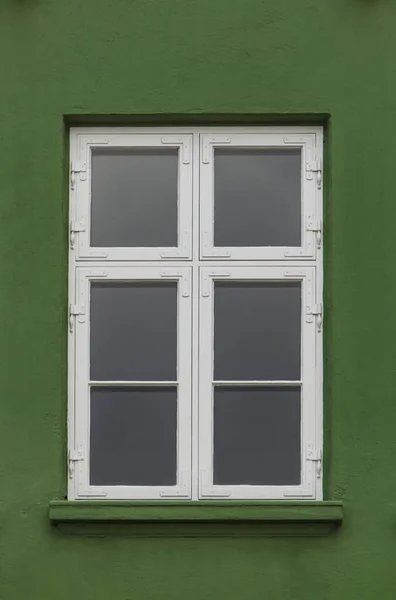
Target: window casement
point(195, 313)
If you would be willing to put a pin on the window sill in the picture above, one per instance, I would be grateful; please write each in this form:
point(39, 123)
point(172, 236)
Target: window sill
point(196, 519)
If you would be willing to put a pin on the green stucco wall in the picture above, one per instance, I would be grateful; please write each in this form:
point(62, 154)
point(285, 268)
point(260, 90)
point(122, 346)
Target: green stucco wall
point(331, 58)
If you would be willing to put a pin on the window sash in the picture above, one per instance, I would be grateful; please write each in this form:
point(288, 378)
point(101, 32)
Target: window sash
point(310, 146)
point(310, 383)
point(79, 345)
point(81, 149)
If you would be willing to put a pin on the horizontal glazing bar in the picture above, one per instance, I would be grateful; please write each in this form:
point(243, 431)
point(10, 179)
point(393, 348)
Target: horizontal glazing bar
point(257, 383)
point(133, 383)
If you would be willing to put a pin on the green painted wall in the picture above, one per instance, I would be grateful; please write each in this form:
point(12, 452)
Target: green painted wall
point(191, 58)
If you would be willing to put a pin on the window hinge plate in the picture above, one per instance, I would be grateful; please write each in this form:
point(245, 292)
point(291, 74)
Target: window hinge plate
point(74, 311)
point(77, 168)
point(315, 225)
point(314, 167)
point(74, 456)
point(314, 455)
point(315, 310)
point(78, 455)
point(75, 227)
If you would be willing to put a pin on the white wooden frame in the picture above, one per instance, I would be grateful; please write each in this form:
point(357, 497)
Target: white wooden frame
point(310, 145)
point(310, 398)
point(195, 263)
point(80, 396)
point(81, 145)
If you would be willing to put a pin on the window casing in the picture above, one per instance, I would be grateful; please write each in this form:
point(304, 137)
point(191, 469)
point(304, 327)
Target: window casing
point(195, 316)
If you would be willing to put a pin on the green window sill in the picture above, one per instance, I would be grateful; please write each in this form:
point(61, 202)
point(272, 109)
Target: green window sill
point(196, 519)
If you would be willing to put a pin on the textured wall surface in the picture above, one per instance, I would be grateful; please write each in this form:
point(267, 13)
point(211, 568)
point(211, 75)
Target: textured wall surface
point(191, 58)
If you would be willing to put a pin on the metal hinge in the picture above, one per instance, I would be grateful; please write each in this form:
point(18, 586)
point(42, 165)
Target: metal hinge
point(74, 456)
point(314, 166)
point(74, 310)
point(81, 169)
point(83, 491)
point(315, 310)
point(316, 226)
point(315, 455)
point(75, 228)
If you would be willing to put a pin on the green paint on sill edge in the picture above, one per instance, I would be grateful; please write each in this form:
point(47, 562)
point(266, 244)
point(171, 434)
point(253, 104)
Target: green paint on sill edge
point(197, 519)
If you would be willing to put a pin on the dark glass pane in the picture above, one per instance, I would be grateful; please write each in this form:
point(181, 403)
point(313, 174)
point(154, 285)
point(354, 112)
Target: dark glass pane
point(134, 331)
point(133, 436)
point(257, 197)
point(257, 436)
point(257, 330)
point(134, 198)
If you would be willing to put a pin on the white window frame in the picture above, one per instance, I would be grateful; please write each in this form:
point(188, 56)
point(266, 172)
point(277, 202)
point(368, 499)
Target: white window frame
point(195, 264)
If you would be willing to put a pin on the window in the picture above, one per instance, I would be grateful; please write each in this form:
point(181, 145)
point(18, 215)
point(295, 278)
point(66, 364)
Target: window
point(195, 318)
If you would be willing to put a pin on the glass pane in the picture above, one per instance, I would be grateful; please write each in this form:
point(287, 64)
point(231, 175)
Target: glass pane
point(257, 436)
point(134, 331)
point(133, 436)
point(134, 198)
point(257, 330)
point(257, 197)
